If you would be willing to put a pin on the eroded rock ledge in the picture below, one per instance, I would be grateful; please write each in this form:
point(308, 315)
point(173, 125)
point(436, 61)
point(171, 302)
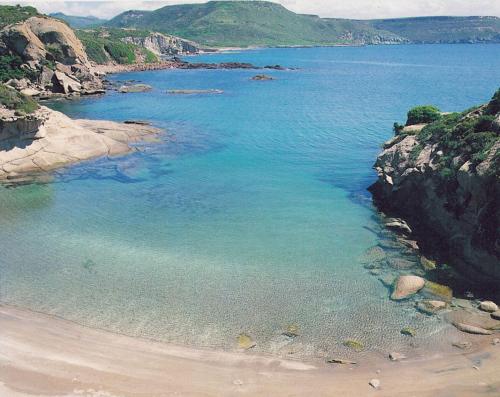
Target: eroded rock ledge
point(443, 180)
point(56, 141)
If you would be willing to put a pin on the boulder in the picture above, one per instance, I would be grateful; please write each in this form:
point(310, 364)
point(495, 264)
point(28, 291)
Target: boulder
point(488, 306)
point(496, 315)
point(406, 286)
point(65, 83)
point(409, 331)
point(30, 92)
point(472, 329)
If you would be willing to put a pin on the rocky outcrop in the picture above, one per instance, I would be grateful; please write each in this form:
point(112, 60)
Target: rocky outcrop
point(162, 44)
point(47, 140)
point(444, 181)
point(53, 54)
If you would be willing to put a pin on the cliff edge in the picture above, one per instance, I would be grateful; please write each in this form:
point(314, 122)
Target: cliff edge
point(441, 174)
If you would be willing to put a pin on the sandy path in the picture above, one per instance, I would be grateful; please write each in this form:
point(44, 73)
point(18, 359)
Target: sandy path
point(44, 355)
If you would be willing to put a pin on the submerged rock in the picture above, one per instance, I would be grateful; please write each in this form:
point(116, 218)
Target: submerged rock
point(406, 286)
point(291, 331)
point(462, 345)
point(354, 345)
point(431, 306)
point(409, 331)
point(472, 329)
point(440, 291)
point(488, 306)
point(245, 342)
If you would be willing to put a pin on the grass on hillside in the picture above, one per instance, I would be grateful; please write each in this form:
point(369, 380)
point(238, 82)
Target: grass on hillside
point(106, 45)
point(14, 14)
point(12, 99)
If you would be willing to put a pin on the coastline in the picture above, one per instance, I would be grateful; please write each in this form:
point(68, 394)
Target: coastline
point(32, 147)
point(50, 356)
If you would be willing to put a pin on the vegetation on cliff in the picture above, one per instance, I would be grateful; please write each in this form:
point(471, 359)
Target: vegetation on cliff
point(14, 14)
point(107, 45)
point(464, 137)
point(247, 23)
point(14, 100)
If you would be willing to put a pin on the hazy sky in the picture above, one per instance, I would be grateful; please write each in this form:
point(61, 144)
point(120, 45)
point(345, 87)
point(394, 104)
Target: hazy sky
point(326, 8)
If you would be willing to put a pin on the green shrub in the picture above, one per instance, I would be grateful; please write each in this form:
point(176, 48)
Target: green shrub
point(397, 128)
point(121, 52)
point(14, 100)
point(494, 105)
point(423, 114)
point(10, 68)
point(149, 57)
point(14, 14)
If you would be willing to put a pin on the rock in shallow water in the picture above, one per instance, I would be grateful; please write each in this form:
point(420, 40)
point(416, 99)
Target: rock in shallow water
point(431, 306)
point(472, 329)
point(406, 286)
point(340, 361)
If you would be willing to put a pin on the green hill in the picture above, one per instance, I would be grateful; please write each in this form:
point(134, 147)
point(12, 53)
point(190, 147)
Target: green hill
point(13, 14)
point(247, 23)
point(78, 22)
point(443, 29)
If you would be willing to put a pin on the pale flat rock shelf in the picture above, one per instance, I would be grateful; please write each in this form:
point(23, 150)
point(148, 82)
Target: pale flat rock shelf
point(60, 141)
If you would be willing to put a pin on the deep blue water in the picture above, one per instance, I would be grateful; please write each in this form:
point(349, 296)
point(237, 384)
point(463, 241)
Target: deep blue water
point(250, 214)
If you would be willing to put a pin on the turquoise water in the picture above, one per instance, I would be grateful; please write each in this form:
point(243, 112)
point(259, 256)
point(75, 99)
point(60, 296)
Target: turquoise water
point(251, 214)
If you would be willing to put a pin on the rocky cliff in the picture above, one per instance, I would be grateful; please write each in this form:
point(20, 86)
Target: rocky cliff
point(161, 44)
point(52, 58)
point(443, 179)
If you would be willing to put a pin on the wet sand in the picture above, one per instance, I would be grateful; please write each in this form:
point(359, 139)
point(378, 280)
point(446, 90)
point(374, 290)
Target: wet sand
point(42, 355)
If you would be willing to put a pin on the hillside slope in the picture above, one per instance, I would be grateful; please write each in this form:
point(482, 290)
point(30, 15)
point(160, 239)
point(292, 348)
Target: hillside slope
point(78, 22)
point(444, 179)
point(247, 23)
point(226, 23)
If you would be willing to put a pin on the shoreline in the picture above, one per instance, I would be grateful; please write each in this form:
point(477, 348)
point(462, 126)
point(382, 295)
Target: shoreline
point(44, 354)
point(34, 146)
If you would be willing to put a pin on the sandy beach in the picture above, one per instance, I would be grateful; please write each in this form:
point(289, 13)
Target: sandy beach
point(41, 355)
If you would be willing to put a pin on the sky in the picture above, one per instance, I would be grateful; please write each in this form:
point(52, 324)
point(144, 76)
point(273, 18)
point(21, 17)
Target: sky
point(362, 9)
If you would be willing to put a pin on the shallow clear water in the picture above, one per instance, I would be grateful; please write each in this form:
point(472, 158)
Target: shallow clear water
point(251, 214)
